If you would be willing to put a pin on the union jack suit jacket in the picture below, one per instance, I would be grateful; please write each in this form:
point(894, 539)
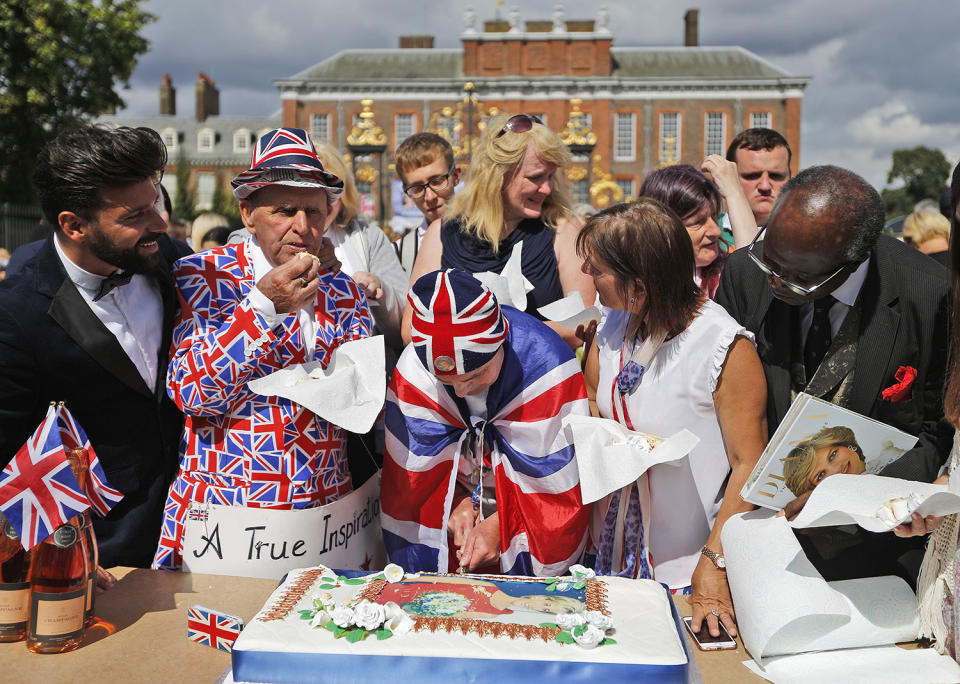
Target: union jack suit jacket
point(240, 448)
point(543, 522)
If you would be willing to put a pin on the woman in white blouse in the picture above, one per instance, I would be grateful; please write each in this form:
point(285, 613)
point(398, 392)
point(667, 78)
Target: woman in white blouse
point(667, 358)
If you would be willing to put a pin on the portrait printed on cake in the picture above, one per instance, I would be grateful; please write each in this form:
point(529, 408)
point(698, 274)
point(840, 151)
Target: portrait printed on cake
point(509, 601)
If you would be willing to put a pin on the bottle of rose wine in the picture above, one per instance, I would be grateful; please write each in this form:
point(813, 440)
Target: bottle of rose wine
point(79, 460)
point(59, 574)
point(14, 584)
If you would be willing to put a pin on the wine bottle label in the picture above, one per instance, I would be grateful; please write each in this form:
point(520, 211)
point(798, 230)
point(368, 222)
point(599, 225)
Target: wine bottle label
point(14, 603)
point(58, 616)
point(9, 532)
point(66, 536)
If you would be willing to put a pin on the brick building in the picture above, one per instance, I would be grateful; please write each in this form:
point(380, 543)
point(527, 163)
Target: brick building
point(646, 106)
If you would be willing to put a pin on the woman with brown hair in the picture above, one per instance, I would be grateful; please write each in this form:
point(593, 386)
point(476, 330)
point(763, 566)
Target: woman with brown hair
point(667, 358)
point(514, 192)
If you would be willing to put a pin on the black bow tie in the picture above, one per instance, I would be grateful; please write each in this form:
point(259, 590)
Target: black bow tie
point(111, 281)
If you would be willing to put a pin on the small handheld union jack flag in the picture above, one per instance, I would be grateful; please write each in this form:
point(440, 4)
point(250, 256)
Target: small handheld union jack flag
point(39, 492)
point(213, 628)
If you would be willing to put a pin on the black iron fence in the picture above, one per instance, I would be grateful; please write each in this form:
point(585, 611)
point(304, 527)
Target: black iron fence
point(18, 223)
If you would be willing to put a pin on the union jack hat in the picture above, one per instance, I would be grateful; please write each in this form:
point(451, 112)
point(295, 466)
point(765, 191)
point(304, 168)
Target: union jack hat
point(285, 156)
point(457, 325)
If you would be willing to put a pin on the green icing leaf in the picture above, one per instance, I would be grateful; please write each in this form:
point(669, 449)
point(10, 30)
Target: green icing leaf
point(341, 578)
point(329, 624)
point(565, 638)
point(580, 585)
point(550, 587)
point(383, 634)
point(328, 586)
point(608, 641)
point(551, 625)
point(552, 580)
point(307, 614)
point(354, 581)
point(380, 576)
point(338, 631)
point(355, 635)
point(579, 629)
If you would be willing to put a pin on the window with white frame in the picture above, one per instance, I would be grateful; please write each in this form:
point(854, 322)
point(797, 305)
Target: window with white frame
point(714, 133)
point(625, 136)
point(403, 127)
point(320, 127)
point(670, 139)
point(206, 184)
point(241, 140)
point(205, 140)
point(761, 119)
point(170, 138)
point(627, 185)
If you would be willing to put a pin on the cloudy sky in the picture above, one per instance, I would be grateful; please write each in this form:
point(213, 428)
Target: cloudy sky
point(882, 70)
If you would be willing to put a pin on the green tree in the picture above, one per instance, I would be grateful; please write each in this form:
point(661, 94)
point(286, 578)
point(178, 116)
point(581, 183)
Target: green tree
point(59, 62)
point(920, 173)
point(185, 203)
point(225, 204)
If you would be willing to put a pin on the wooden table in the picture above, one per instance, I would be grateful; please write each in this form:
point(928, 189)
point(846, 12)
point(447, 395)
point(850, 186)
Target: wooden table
point(142, 635)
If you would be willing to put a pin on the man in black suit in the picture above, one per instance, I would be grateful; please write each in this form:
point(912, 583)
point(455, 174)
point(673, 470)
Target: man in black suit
point(838, 309)
point(87, 320)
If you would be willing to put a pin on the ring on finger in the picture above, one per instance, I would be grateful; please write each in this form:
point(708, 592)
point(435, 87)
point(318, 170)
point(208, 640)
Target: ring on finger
point(303, 281)
point(715, 612)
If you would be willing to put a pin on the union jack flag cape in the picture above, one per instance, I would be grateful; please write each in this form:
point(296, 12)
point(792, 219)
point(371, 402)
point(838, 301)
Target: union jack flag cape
point(38, 491)
point(543, 522)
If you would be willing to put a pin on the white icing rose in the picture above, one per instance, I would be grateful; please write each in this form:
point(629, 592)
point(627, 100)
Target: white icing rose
point(368, 615)
point(562, 586)
point(590, 637)
point(342, 616)
point(393, 573)
point(569, 620)
point(321, 618)
point(599, 620)
point(396, 620)
point(581, 573)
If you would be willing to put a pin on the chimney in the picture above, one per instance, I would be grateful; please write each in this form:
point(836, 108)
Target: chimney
point(168, 97)
point(409, 42)
point(691, 28)
point(208, 97)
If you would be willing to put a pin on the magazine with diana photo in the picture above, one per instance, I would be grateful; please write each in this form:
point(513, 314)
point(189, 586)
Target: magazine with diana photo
point(817, 439)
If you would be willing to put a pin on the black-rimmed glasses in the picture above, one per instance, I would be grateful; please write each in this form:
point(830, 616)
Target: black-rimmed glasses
point(520, 123)
point(436, 183)
point(793, 287)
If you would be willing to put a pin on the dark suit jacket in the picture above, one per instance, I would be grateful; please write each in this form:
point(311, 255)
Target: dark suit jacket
point(53, 348)
point(903, 322)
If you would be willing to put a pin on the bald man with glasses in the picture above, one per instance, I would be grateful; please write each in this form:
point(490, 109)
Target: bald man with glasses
point(842, 312)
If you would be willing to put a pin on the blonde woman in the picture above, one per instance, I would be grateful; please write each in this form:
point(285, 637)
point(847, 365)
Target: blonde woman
point(514, 192)
point(929, 232)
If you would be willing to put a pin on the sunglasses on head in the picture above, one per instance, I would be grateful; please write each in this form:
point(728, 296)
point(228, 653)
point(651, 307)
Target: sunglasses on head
point(520, 123)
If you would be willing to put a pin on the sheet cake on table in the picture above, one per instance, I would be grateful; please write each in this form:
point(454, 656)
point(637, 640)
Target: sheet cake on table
point(461, 628)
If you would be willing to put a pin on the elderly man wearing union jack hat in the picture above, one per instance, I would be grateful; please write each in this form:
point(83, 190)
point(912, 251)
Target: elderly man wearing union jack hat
point(247, 310)
point(477, 467)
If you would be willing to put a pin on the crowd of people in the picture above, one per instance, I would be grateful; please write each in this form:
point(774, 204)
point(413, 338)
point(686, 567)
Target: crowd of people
point(725, 290)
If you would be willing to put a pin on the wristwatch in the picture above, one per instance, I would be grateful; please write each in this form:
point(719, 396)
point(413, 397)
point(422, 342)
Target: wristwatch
point(715, 558)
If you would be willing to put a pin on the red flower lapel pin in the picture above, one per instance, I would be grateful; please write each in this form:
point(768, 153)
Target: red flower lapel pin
point(900, 391)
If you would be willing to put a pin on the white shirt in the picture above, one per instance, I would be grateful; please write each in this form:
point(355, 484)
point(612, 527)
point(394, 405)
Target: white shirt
point(264, 305)
point(846, 296)
point(421, 231)
point(133, 313)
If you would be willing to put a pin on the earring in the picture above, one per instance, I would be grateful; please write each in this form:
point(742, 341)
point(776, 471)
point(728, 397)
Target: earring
point(633, 300)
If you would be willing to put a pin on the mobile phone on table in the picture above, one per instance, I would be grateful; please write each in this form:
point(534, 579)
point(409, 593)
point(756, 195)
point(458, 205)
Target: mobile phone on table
point(706, 642)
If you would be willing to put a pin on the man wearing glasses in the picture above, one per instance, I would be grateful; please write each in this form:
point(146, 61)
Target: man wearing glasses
point(843, 313)
point(426, 167)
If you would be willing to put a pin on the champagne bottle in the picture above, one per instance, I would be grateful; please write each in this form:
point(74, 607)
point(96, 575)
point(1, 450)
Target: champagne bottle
point(59, 575)
point(14, 584)
point(79, 460)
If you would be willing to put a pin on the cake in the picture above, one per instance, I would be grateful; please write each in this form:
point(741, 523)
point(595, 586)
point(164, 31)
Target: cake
point(319, 626)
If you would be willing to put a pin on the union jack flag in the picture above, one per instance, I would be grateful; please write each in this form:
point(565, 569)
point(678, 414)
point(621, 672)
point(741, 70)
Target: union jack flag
point(38, 491)
point(543, 522)
point(456, 324)
point(213, 628)
point(102, 496)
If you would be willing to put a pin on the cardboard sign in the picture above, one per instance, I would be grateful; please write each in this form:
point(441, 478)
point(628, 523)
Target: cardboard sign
point(260, 542)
